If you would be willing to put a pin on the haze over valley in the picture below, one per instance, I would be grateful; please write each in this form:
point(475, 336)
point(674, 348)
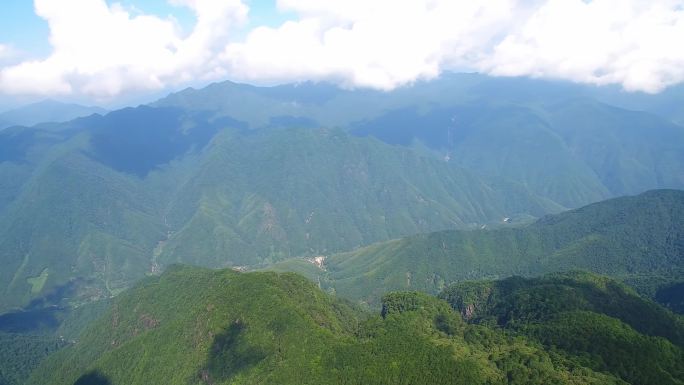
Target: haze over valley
point(504, 211)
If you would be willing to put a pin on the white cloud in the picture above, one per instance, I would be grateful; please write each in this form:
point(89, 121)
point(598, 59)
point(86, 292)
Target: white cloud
point(382, 43)
point(385, 43)
point(102, 50)
point(637, 44)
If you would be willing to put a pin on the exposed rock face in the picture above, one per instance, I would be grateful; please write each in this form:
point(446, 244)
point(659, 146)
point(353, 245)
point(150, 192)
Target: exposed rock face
point(468, 312)
point(318, 261)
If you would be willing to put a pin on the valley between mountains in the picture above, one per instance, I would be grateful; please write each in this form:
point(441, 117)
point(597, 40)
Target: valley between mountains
point(464, 230)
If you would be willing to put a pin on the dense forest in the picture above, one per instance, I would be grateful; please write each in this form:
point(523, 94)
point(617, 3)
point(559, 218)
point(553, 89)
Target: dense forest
point(233, 175)
point(20, 354)
point(248, 328)
point(638, 239)
point(463, 230)
point(593, 320)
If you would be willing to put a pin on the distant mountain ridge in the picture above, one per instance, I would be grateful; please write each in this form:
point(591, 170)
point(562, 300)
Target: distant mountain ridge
point(638, 239)
point(560, 140)
point(46, 111)
point(106, 200)
point(468, 187)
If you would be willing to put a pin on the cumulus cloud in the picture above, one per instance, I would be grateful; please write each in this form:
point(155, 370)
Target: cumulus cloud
point(102, 50)
point(633, 43)
point(382, 43)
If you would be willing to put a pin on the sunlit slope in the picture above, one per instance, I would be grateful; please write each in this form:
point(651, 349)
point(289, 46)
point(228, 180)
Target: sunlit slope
point(264, 197)
point(198, 326)
point(590, 319)
point(630, 238)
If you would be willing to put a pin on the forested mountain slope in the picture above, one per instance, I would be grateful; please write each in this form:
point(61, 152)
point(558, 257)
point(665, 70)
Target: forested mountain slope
point(592, 320)
point(560, 140)
point(101, 201)
point(198, 326)
point(238, 175)
point(639, 239)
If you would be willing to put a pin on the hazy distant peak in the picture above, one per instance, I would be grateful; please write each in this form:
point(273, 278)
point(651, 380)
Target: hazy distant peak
point(48, 110)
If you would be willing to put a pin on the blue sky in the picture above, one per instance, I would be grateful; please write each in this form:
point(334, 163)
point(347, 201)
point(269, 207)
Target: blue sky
point(23, 29)
point(27, 32)
point(110, 52)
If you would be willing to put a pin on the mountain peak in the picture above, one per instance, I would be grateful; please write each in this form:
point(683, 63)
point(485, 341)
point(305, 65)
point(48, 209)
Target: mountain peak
point(47, 111)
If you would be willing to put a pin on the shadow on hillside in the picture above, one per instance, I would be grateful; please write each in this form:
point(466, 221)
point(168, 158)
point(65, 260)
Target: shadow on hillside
point(138, 140)
point(43, 314)
point(672, 297)
point(230, 353)
point(93, 378)
point(15, 143)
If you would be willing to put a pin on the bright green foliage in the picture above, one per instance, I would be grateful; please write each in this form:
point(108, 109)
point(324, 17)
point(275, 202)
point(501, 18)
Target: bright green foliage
point(593, 321)
point(194, 326)
point(631, 238)
point(401, 302)
point(172, 329)
point(607, 345)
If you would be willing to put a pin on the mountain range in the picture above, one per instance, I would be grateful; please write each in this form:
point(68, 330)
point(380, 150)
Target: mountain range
point(637, 239)
point(243, 176)
point(46, 111)
point(445, 232)
point(90, 206)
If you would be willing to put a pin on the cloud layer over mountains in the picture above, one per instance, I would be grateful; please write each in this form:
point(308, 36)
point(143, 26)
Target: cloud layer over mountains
point(103, 50)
